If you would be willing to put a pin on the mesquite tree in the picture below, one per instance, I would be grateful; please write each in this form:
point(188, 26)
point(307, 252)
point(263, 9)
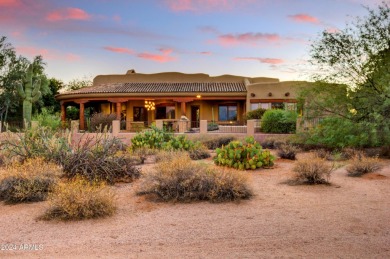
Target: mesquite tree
point(353, 79)
point(29, 90)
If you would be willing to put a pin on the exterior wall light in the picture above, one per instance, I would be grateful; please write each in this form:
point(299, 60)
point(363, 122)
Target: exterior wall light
point(198, 96)
point(287, 94)
point(150, 106)
point(253, 94)
point(269, 94)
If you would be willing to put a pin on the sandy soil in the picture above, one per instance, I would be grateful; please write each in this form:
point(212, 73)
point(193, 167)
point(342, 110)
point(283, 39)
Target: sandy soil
point(349, 219)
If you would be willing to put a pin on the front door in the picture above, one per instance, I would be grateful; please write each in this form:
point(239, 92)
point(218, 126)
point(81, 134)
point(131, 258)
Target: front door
point(195, 116)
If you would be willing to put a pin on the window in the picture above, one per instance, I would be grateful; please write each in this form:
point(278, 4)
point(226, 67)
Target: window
point(227, 112)
point(139, 114)
point(165, 112)
point(277, 106)
point(255, 106)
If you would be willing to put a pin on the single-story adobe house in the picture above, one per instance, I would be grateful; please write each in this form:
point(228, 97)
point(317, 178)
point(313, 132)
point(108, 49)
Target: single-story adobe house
point(137, 98)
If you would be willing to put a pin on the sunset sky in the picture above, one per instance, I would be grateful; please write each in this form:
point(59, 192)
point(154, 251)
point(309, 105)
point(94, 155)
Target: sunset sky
point(80, 38)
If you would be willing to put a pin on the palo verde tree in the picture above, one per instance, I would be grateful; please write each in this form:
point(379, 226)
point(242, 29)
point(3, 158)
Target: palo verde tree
point(353, 82)
point(30, 88)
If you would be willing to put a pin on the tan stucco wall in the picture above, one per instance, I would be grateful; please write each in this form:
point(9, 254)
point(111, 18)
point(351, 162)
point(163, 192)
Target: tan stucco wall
point(278, 90)
point(175, 77)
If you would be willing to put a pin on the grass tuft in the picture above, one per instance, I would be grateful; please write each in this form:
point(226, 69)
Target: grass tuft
point(79, 199)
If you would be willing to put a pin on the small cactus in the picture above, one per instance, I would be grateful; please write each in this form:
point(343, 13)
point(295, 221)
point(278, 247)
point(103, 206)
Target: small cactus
point(30, 92)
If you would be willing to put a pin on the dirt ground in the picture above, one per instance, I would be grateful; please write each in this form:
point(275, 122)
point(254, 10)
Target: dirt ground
point(348, 219)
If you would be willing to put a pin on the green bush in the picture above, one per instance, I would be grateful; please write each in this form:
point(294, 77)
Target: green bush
point(255, 114)
point(279, 121)
point(47, 118)
point(180, 179)
point(334, 132)
point(80, 199)
point(243, 156)
point(28, 182)
point(101, 121)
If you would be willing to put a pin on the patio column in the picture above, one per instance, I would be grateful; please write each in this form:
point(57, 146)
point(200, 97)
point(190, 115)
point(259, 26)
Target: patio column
point(118, 110)
point(63, 114)
point(81, 114)
point(183, 108)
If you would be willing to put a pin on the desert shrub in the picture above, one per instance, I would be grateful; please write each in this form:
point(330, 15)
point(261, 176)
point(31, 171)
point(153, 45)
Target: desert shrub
point(255, 114)
point(217, 141)
point(274, 142)
point(180, 179)
point(152, 138)
point(28, 182)
point(360, 164)
point(243, 156)
point(168, 155)
point(142, 153)
point(323, 154)
point(37, 142)
point(279, 121)
point(287, 151)
point(100, 121)
point(313, 170)
point(79, 199)
point(211, 126)
point(99, 159)
point(385, 151)
point(199, 152)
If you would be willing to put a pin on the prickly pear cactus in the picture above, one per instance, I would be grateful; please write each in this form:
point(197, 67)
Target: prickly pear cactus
point(30, 92)
point(243, 156)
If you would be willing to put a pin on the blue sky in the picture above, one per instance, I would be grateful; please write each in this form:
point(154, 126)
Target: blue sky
point(83, 38)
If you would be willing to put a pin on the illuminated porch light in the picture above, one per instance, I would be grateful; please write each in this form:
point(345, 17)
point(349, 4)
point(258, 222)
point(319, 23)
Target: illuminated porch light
point(198, 96)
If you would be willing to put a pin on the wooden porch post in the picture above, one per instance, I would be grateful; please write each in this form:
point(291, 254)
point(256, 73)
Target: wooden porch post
point(63, 114)
point(81, 114)
point(118, 110)
point(81, 117)
point(183, 108)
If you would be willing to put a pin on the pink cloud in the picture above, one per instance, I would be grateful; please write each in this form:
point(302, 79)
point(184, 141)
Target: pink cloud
point(9, 3)
point(247, 38)
point(72, 57)
point(47, 54)
point(162, 58)
point(68, 14)
point(119, 50)
point(206, 53)
point(272, 61)
point(204, 5)
point(304, 18)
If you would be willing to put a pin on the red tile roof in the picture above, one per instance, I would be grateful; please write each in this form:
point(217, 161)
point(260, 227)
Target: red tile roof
point(163, 87)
